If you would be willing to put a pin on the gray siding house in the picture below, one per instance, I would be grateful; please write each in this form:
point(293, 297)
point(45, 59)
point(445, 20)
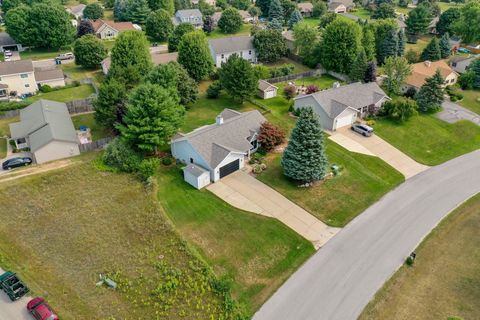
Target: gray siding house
point(192, 16)
point(222, 48)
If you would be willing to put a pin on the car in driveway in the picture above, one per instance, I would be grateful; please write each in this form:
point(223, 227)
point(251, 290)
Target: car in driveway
point(65, 56)
point(16, 162)
point(40, 310)
point(363, 129)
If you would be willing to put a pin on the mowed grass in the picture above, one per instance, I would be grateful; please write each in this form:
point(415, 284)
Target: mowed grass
point(64, 95)
point(471, 100)
point(445, 279)
point(78, 73)
point(4, 125)
point(256, 252)
point(363, 180)
point(429, 140)
point(217, 33)
point(299, 68)
point(98, 132)
point(41, 53)
point(61, 229)
point(3, 148)
point(418, 47)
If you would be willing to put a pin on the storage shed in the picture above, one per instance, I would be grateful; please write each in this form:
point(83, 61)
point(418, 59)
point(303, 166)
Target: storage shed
point(196, 176)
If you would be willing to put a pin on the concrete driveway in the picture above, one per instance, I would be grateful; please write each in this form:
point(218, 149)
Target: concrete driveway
point(13, 310)
point(243, 191)
point(375, 145)
point(453, 112)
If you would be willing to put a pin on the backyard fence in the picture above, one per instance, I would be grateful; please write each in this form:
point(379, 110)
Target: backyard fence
point(75, 106)
point(295, 76)
point(94, 145)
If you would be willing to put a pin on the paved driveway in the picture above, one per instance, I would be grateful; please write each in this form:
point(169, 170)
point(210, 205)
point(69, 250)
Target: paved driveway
point(342, 277)
point(13, 310)
point(380, 148)
point(247, 193)
point(453, 112)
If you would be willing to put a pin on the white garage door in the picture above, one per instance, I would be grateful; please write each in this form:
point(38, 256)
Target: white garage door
point(344, 121)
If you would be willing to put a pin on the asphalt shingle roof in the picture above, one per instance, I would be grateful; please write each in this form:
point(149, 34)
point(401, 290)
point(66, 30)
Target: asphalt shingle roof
point(14, 67)
point(231, 44)
point(6, 40)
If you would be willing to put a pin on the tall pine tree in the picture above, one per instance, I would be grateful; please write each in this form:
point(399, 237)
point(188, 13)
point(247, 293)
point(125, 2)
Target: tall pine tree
point(430, 96)
point(295, 18)
point(359, 67)
point(401, 43)
point(304, 159)
point(432, 51)
point(445, 48)
point(388, 46)
point(371, 72)
point(275, 11)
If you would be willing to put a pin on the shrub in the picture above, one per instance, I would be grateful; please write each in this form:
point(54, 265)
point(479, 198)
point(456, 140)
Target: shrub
point(213, 90)
point(270, 136)
point(411, 92)
point(257, 169)
point(312, 89)
point(167, 161)
point(466, 80)
point(121, 156)
point(410, 261)
point(289, 91)
point(46, 88)
point(400, 110)
point(147, 168)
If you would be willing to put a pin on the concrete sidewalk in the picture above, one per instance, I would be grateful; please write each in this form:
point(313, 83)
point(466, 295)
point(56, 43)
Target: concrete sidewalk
point(247, 193)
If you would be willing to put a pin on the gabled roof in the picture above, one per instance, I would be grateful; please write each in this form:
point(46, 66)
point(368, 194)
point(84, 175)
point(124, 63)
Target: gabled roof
point(356, 95)
point(231, 44)
point(426, 69)
point(288, 35)
point(157, 58)
point(305, 6)
point(77, 10)
point(6, 40)
point(244, 14)
point(14, 67)
point(215, 142)
point(50, 74)
point(42, 122)
point(194, 170)
point(336, 3)
point(264, 85)
point(119, 26)
point(187, 13)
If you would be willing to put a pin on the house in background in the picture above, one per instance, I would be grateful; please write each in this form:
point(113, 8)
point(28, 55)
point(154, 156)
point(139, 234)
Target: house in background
point(289, 40)
point(246, 17)
point(341, 106)
point(432, 27)
point(266, 90)
point(219, 149)
point(47, 129)
point(460, 63)
point(8, 43)
point(192, 16)
point(210, 2)
point(18, 76)
point(105, 29)
point(157, 58)
point(77, 11)
point(426, 69)
point(340, 6)
point(305, 8)
point(51, 77)
point(222, 48)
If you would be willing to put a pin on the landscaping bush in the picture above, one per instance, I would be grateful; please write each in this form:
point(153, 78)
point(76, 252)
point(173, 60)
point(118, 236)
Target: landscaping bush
point(312, 89)
point(410, 93)
point(270, 136)
point(7, 106)
point(147, 168)
point(214, 90)
point(121, 156)
point(289, 92)
point(167, 161)
point(466, 80)
point(399, 110)
point(284, 70)
point(46, 88)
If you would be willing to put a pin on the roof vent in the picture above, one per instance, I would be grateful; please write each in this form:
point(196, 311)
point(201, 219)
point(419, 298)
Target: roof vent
point(428, 63)
point(219, 120)
point(336, 84)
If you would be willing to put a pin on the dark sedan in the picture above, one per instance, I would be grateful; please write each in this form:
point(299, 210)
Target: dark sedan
point(16, 162)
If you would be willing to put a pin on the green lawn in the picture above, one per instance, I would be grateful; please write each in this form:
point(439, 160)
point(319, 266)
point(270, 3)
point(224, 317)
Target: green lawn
point(362, 13)
point(258, 253)
point(77, 73)
point(445, 279)
point(41, 54)
point(244, 30)
point(4, 126)
point(98, 132)
point(471, 100)
point(420, 45)
point(363, 180)
point(65, 95)
point(429, 140)
point(299, 68)
point(3, 148)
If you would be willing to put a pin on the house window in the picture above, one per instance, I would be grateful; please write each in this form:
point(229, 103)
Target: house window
point(21, 141)
point(254, 144)
point(24, 75)
point(249, 51)
point(27, 86)
point(223, 56)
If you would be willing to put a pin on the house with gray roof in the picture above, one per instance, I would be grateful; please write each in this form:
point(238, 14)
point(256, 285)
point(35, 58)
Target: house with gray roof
point(46, 128)
point(222, 48)
point(8, 43)
point(341, 106)
point(192, 16)
point(340, 6)
point(461, 63)
point(77, 11)
point(219, 148)
point(18, 76)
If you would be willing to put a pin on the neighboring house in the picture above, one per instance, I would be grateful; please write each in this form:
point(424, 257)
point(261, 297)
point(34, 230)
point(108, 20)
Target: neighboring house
point(460, 64)
point(52, 77)
point(77, 11)
point(192, 16)
point(8, 43)
point(105, 29)
point(305, 8)
point(219, 149)
point(47, 129)
point(222, 48)
point(423, 70)
point(401, 23)
point(340, 6)
point(340, 106)
point(18, 76)
point(454, 43)
point(247, 17)
point(157, 58)
point(289, 40)
point(432, 27)
point(210, 2)
point(216, 17)
point(266, 90)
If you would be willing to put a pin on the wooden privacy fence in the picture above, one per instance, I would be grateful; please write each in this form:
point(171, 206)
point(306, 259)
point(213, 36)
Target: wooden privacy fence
point(94, 145)
point(295, 76)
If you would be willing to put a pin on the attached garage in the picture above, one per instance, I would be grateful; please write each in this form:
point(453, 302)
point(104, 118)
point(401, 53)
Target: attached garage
point(346, 118)
point(229, 168)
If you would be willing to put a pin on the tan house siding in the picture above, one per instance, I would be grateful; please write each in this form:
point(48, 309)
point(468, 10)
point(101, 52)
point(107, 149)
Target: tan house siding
point(107, 32)
point(53, 83)
point(21, 83)
point(56, 150)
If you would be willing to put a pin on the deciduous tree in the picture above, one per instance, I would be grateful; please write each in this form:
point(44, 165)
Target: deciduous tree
point(167, 5)
point(397, 70)
point(270, 136)
point(85, 27)
point(468, 25)
point(178, 32)
point(384, 11)
point(231, 21)
point(159, 25)
point(269, 45)
point(110, 103)
point(446, 21)
point(89, 51)
point(93, 11)
point(306, 38)
point(400, 110)
point(194, 55)
point(238, 78)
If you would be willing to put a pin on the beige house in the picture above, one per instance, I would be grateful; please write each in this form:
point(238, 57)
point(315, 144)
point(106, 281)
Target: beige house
point(47, 129)
point(52, 77)
point(423, 70)
point(106, 29)
point(340, 6)
point(305, 8)
point(18, 77)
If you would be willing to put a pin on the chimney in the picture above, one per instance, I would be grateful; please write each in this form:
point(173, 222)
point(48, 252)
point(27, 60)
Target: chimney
point(428, 63)
point(219, 120)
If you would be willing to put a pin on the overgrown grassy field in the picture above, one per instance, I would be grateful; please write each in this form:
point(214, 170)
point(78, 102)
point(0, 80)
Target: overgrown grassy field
point(445, 279)
point(256, 252)
point(61, 229)
point(429, 140)
point(363, 180)
point(98, 132)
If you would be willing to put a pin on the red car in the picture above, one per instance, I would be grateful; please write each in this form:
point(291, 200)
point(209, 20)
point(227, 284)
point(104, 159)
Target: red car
point(40, 310)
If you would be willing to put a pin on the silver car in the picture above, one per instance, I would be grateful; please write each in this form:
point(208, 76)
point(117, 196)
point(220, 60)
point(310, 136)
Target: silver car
point(363, 129)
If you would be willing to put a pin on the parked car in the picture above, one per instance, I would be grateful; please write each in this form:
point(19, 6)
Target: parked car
point(363, 129)
point(16, 162)
point(463, 50)
point(65, 56)
point(40, 310)
point(12, 285)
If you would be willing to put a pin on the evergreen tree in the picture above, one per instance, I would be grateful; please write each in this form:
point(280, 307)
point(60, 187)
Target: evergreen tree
point(85, 27)
point(304, 159)
point(445, 48)
point(194, 55)
point(167, 5)
point(275, 10)
point(417, 22)
point(319, 9)
point(384, 11)
point(359, 67)
point(231, 21)
point(388, 46)
point(238, 78)
point(120, 11)
point(208, 24)
point(432, 51)
point(275, 24)
point(371, 72)
point(153, 116)
point(295, 18)
point(109, 105)
point(368, 42)
point(264, 6)
point(474, 67)
point(159, 25)
point(430, 96)
point(177, 34)
point(138, 11)
point(401, 43)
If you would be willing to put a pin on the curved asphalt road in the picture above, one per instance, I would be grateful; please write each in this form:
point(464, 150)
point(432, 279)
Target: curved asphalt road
point(342, 277)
